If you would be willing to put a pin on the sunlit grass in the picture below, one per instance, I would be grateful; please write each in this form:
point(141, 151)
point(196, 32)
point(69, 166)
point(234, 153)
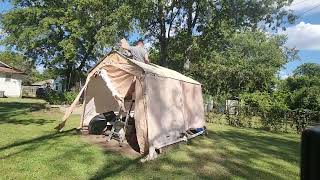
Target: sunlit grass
point(31, 149)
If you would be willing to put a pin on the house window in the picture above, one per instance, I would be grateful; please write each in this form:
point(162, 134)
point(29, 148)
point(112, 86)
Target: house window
point(8, 77)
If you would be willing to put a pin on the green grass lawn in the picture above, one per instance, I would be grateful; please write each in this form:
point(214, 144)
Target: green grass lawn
point(31, 149)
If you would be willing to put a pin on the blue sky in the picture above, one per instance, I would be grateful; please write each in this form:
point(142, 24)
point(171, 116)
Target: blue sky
point(304, 35)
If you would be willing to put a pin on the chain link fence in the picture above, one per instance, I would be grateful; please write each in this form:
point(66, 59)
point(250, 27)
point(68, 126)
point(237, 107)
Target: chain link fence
point(272, 120)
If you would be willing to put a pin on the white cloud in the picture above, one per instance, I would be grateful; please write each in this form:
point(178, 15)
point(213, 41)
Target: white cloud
point(301, 6)
point(303, 36)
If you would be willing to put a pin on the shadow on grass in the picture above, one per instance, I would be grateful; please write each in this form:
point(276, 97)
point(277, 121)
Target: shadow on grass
point(10, 111)
point(14, 106)
point(251, 148)
point(115, 167)
point(12, 120)
point(34, 143)
point(220, 155)
point(257, 144)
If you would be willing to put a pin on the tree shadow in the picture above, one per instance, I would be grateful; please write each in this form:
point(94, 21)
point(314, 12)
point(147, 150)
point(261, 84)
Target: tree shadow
point(250, 148)
point(116, 167)
point(281, 148)
point(14, 106)
point(220, 155)
point(9, 112)
point(26, 121)
point(34, 143)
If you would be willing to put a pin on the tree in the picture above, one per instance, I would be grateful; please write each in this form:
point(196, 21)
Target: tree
point(157, 19)
point(68, 35)
point(167, 21)
point(250, 63)
point(308, 69)
point(15, 60)
point(304, 87)
point(22, 63)
point(306, 98)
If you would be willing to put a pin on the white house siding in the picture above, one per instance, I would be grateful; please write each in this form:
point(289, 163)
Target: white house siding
point(11, 86)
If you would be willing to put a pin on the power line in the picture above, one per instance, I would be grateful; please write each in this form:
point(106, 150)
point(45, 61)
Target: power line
point(316, 6)
point(298, 3)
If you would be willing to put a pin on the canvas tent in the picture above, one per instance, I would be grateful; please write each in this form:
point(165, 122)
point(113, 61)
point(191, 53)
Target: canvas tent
point(166, 104)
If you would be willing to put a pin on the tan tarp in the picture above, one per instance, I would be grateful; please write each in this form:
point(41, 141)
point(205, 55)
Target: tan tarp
point(98, 96)
point(140, 115)
point(164, 110)
point(167, 103)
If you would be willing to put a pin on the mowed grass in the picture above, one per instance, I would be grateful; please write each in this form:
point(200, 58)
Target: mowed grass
point(31, 149)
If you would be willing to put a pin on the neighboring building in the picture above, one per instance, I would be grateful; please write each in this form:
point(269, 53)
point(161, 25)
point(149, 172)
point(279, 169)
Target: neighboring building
point(38, 89)
point(232, 106)
point(54, 84)
point(29, 91)
point(58, 84)
point(44, 83)
point(10, 81)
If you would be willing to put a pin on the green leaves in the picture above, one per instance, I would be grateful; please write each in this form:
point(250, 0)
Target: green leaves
point(308, 69)
point(306, 98)
point(303, 94)
point(248, 64)
point(69, 35)
point(304, 87)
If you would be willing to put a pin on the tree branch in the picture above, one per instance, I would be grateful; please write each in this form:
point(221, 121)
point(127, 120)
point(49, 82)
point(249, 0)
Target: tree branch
point(172, 20)
point(86, 55)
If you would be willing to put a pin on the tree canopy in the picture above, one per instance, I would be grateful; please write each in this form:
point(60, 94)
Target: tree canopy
point(69, 35)
point(230, 46)
point(220, 43)
point(308, 69)
point(303, 88)
point(249, 64)
point(162, 20)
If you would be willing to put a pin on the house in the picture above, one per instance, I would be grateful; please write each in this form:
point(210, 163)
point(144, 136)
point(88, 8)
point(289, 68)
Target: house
point(37, 89)
point(30, 91)
point(54, 84)
point(10, 81)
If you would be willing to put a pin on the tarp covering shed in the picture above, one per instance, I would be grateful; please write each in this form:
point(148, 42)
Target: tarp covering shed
point(166, 105)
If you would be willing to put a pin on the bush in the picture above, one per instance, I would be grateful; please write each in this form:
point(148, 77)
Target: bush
point(270, 107)
point(59, 98)
point(70, 96)
point(306, 98)
point(302, 118)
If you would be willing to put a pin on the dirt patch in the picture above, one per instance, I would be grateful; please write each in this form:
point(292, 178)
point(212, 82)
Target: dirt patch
point(112, 145)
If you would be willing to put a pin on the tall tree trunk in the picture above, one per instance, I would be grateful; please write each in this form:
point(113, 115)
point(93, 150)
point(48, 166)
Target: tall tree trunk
point(163, 52)
point(162, 38)
point(70, 77)
point(189, 19)
point(192, 16)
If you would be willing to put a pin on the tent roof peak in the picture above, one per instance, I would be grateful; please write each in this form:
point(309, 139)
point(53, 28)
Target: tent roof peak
point(152, 69)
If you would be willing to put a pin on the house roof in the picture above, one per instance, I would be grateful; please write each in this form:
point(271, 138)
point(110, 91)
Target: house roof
point(9, 69)
point(41, 83)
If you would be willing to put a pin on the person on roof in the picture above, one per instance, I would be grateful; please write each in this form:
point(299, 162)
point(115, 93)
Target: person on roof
point(138, 51)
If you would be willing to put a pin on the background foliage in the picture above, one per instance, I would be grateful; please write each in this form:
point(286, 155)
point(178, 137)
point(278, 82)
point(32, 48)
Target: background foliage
point(228, 46)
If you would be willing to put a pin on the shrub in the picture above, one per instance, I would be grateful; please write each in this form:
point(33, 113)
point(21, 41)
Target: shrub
point(302, 118)
point(270, 107)
point(59, 98)
point(70, 96)
point(306, 98)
